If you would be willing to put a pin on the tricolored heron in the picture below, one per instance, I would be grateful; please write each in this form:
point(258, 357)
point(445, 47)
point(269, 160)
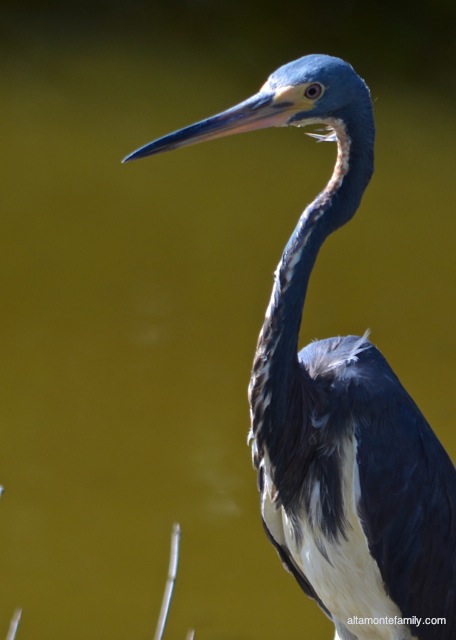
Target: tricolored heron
point(358, 496)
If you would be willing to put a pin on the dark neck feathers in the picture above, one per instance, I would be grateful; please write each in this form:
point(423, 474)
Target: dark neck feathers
point(275, 367)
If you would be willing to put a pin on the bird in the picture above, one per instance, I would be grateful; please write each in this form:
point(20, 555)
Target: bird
point(357, 494)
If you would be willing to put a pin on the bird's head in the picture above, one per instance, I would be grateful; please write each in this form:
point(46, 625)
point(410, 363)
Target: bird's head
point(312, 89)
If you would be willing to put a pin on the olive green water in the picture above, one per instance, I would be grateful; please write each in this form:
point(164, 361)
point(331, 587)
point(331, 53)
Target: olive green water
point(131, 298)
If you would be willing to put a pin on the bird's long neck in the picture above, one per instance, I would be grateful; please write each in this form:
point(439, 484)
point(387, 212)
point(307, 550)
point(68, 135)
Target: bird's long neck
point(275, 367)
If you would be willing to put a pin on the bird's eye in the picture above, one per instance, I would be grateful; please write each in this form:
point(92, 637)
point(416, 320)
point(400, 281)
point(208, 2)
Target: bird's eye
point(313, 91)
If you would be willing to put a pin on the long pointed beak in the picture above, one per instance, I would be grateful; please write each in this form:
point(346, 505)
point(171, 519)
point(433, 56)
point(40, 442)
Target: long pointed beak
point(258, 112)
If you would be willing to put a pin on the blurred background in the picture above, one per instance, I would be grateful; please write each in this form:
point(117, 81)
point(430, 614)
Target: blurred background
point(131, 296)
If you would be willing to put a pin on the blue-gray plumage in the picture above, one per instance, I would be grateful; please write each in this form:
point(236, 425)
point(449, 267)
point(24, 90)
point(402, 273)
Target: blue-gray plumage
point(357, 494)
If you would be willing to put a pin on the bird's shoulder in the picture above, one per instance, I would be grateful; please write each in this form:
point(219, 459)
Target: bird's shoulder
point(347, 363)
point(349, 378)
point(346, 380)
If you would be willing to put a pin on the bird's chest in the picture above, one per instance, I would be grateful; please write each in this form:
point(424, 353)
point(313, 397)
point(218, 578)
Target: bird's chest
point(341, 571)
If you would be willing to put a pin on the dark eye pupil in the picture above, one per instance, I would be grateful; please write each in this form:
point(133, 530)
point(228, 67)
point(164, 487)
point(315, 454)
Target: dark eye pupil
point(313, 91)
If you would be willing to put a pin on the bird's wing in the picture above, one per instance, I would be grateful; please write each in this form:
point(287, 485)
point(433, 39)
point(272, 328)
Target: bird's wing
point(407, 503)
